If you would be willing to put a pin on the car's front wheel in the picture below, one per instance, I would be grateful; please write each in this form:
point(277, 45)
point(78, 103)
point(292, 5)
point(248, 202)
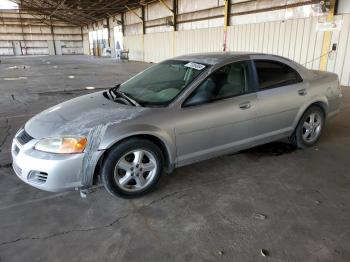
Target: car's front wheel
point(132, 168)
point(310, 128)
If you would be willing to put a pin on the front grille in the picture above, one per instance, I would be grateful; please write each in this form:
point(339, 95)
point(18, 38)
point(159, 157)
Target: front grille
point(17, 169)
point(37, 177)
point(23, 137)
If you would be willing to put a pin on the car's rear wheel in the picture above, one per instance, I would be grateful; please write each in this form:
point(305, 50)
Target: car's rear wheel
point(132, 168)
point(309, 128)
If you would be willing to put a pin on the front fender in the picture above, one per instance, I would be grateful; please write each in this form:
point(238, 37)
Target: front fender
point(114, 134)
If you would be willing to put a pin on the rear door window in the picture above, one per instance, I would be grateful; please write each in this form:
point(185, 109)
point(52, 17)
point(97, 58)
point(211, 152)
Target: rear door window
point(273, 74)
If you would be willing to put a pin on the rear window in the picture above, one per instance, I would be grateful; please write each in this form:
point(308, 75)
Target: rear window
point(273, 74)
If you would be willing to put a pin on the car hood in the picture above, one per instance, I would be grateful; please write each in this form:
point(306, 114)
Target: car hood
point(79, 115)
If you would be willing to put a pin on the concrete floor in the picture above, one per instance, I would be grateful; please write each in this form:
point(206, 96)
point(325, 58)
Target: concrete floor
point(204, 212)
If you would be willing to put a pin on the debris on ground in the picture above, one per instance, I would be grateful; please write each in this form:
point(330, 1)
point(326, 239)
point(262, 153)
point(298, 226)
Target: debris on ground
point(19, 67)
point(264, 252)
point(55, 67)
point(318, 202)
point(83, 194)
point(260, 216)
point(48, 62)
point(90, 87)
point(15, 78)
point(221, 253)
point(71, 77)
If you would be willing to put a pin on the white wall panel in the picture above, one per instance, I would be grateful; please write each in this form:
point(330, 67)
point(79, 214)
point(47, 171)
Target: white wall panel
point(196, 41)
point(342, 58)
point(157, 10)
point(135, 45)
point(296, 39)
point(343, 6)
point(185, 6)
point(299, 32)
point(305, 40)
point(86, 47)
point(159, 46)
point(293, 41)
point(317, 51)
point(266, 37)
point(130, 18)
point(34, 37)
point(275, 38)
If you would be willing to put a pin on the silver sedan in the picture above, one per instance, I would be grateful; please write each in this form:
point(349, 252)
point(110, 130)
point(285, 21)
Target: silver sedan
point(184, 110)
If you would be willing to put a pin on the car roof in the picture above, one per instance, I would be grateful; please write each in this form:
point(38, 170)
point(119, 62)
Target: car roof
point(213, 58)
point(217, 58)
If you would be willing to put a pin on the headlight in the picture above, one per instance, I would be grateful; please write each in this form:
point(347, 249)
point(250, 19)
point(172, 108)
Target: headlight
point(62, 145)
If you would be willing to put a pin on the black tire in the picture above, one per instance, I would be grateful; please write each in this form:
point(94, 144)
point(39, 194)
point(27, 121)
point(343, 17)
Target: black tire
point(297, 138)
point(118, 153)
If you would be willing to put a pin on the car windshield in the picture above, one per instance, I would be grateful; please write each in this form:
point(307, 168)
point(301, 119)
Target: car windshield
point(161, 83)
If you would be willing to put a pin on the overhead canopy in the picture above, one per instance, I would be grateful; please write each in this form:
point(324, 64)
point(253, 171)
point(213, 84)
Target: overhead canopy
point(80, 12)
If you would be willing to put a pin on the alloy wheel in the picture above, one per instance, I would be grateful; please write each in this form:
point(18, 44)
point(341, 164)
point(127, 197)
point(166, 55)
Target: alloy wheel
point(312, 127)
point(135, 170)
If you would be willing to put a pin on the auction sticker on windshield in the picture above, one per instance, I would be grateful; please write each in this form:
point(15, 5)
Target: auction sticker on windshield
point(195, 65)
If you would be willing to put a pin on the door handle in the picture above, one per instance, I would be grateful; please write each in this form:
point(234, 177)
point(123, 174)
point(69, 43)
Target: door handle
point(302, 92)
point(245, 105)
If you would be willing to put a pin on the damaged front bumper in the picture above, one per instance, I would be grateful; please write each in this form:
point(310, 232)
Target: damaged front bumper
point(46, 171)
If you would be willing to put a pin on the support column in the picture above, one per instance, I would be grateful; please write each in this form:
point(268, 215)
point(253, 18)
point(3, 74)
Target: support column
point(175, 11)
point(108, 33)
point(327, 37)
point(53, 37)
point(143, 20)
point(143, 32)
point(227, 12)
point(175, 5)
point(122, 20)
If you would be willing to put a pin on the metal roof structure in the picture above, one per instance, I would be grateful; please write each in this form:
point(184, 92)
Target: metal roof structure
point(78, 12)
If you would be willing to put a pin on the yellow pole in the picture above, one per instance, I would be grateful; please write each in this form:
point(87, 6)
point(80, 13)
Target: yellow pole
point(327, 37)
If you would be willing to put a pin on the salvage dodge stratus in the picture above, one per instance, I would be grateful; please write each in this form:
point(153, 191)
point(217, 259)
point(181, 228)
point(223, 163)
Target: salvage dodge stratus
point(187, 109)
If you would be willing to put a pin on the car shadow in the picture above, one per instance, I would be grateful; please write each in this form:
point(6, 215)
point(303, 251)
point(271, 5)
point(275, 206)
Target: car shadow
point(270, 149)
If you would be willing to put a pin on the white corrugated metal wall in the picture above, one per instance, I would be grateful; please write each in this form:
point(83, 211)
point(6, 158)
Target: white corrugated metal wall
point(36, 38)
point(290, 32)
point(135, 43)
point(198, 40)
point(296, 39)
point(160, 46)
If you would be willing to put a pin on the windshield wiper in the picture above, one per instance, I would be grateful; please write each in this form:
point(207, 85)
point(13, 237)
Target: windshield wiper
point(127, 98)
point(116, 93)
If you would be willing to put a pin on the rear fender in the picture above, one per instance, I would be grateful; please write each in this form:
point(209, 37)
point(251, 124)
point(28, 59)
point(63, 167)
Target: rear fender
point(318, 101)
